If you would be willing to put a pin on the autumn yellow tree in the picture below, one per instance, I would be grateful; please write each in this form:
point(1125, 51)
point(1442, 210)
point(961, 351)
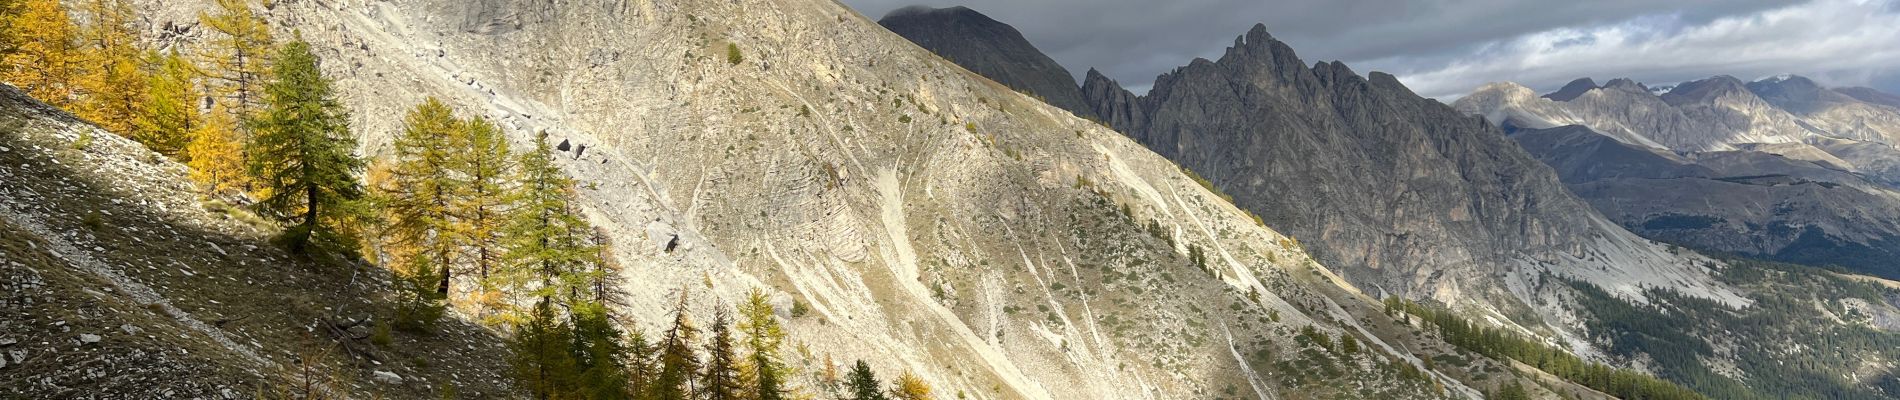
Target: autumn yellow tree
point(214, 155)
point(8, 9)
point(481, 208)
point(171, 112)
point(418, 200)
point(910, 387)
point(115, 87)
point(46, 60)
point(239, 59)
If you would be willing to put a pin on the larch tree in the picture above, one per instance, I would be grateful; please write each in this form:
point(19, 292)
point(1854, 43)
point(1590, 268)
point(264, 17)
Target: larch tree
point(541, 354)
point(8, 38)
point(214, 155)
point(171, 112)
point(863, 385)
point(720, 379)
point(47, 59)
point(679, 364)
point(114, 88)
point(546, 237)
point(643, 365)
point(239, 58)
point(303, 154)
point(911, 387)
point(764, 336)
point(600, 353)
point(419, 197)
point(485, 177)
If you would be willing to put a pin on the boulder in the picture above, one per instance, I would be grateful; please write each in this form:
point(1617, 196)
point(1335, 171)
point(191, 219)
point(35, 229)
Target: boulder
point(387, 377)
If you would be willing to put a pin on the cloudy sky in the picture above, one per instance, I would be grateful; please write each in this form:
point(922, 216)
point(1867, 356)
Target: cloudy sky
point(1444, 48)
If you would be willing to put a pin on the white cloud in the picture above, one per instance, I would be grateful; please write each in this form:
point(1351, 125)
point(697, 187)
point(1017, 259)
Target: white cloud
point(1840, 42)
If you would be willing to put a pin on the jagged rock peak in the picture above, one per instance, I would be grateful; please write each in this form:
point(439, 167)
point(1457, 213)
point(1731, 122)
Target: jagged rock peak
point(1704, 90)
point(1116, 106)
point(1573, 89)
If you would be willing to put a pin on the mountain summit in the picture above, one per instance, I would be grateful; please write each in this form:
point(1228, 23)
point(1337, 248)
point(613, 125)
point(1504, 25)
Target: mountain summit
point(989, 48)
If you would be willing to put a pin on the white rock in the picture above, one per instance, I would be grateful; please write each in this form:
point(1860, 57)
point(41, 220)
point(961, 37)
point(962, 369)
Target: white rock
point(387, 377)
point(89, 338)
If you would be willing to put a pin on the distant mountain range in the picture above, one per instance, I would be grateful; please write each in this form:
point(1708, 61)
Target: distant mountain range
point(1781, 168)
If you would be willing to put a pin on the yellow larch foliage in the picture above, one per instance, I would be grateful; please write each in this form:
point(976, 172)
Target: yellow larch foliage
point(214, 154)
point(911, 387)
point(239, 56)
point(47, 60)
point(114, 89)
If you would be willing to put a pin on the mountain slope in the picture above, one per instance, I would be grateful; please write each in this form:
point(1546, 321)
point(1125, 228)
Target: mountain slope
point(121, 282)
point(1740, 202)
point(929, 220)
point(1399, 192)
point(989, 48)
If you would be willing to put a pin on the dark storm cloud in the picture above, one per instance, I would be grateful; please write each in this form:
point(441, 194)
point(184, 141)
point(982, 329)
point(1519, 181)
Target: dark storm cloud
point(1445, 47)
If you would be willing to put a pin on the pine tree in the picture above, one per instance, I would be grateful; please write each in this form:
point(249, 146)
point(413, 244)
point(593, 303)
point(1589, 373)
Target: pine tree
point(47, 59)
point(422, 185)
point(214, 155)
point(303, 153)
point(171, 115)
point(600, 354)
point(863, 384)
point(541, 354)
point(764, 335)
point(546, 236)
point(678, 363)
point(911, 387)
point(240, 57)
point(720, 380)
point(115, 88)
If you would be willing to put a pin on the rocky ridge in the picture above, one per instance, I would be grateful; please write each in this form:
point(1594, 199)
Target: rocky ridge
point(992, 49)
point(1398, 192)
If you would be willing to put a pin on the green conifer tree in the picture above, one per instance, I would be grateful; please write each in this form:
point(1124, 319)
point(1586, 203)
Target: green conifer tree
point(541, 355)
point(422, 187)
point(485, 169)
point(764, 335)
point(720, 380)
point(863, 385)
point(679, 364)
point(303, 154)
point(600, 354)
point(546, 238)
point(171, 112)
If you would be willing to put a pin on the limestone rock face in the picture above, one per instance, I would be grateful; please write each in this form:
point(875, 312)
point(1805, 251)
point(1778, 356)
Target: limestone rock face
point(989, 48)
point(1399, 192)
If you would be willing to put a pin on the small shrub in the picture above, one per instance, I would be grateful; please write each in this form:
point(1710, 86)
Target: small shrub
point(84, 142)
point(733, 56)
point(382, 335)
point(799, 309)
point(92, 220)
